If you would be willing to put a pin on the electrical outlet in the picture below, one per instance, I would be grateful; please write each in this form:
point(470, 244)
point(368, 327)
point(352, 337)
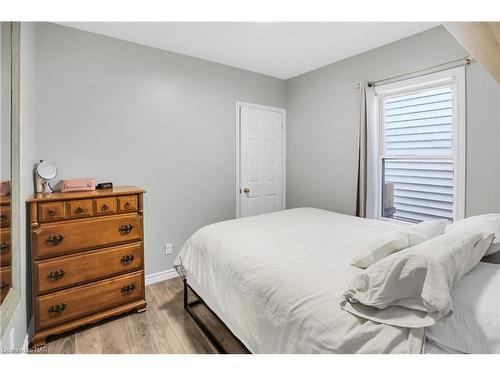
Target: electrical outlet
point(168, 248)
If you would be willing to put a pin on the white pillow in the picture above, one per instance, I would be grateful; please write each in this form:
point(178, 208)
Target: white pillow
point(413, 287)
point(489, 223)
point(393, 241)
point(474, 326)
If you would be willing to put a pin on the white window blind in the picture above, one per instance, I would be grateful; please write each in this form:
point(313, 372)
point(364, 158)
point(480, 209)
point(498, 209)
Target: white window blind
point(422, 190)
point(417, 153)
point(420, 124)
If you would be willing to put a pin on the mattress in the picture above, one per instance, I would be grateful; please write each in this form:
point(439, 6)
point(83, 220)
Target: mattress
point(276, 280)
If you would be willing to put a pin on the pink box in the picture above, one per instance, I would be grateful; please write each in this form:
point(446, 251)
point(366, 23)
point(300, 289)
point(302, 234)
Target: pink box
point(78, 184)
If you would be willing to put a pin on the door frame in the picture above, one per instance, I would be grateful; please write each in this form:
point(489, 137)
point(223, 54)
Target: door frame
point(240, 105)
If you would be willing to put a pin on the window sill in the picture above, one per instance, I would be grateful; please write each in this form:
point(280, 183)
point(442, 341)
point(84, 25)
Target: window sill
point(394, 221)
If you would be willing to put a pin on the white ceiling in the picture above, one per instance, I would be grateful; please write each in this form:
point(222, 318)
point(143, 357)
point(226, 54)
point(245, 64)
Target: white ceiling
point(279, 49)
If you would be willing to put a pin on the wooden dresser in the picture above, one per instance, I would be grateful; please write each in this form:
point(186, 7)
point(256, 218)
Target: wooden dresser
point(5, 249)
point(87, 258)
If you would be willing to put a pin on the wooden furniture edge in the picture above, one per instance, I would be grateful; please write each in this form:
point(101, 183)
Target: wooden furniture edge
point(40, 338)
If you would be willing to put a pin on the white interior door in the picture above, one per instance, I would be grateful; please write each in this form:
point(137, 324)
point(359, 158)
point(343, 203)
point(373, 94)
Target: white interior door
point(261, 188)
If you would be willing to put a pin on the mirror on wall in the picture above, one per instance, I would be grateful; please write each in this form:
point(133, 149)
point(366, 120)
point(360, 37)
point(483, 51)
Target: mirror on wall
point(9, 172)
point(5, 162)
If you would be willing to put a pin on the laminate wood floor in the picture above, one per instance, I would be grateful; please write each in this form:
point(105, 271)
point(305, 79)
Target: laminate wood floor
point(165, 327)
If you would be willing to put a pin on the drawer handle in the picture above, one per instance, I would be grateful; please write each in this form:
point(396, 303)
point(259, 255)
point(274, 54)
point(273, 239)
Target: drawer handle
point(79, 210)
point(4, 285)
point(56, 309)
point(56, 275)
point(4, 246)
point(125, 229)
point(127, 289)
point(127, 205)
point(104, 207)
point(51, 212)
point(3, 217)
point(55, 239)
point(127, 259)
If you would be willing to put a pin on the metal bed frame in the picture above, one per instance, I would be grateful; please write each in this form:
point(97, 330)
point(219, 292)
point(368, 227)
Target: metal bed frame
point(188, 306)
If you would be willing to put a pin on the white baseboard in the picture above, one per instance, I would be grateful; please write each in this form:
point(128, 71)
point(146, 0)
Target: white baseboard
point(161, 276)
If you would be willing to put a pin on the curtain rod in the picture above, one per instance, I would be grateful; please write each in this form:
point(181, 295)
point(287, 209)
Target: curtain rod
point(418, 73)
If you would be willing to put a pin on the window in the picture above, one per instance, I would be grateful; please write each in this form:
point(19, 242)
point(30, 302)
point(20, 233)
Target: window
point(421, 149)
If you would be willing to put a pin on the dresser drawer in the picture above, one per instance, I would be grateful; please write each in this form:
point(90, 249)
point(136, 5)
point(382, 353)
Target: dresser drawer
point(73, 303)
point(127, 203)
point(51, 211)
point(5, 249)
point(68, 237)
point(79, 209)
point(105, 206)
point(69, 270)
point(5, 217)
point(5, 282)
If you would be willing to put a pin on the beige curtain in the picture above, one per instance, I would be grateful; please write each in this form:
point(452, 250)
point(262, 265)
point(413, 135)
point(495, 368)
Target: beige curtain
point(362, 152)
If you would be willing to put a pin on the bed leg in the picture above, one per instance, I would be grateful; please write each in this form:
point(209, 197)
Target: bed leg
point(188, 306)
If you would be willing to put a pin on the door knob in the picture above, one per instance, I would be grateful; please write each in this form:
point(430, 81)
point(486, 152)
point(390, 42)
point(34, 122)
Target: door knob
point(246, 190)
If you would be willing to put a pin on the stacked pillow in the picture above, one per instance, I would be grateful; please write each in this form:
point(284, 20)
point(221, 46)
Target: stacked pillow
point(413, 287)
point(474, 325)
point(393, 241)
point(489, 223)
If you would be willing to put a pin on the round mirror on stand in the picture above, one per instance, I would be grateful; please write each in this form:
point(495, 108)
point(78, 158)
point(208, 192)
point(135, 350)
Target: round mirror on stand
point(44, 172)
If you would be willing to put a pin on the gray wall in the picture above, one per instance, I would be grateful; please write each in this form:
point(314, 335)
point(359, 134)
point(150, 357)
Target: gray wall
point(135, 115)
point(483, 161)
point(322, 123)
point(20, 320)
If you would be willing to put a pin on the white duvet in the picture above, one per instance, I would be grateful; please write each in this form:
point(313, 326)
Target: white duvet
point(276, 281)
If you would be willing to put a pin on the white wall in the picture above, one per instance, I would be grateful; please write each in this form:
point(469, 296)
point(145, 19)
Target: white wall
point(322, 123)
point(18, 325)
point(136, 115)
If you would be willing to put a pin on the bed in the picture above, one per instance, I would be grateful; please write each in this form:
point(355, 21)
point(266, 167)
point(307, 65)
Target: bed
point(275, 281)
